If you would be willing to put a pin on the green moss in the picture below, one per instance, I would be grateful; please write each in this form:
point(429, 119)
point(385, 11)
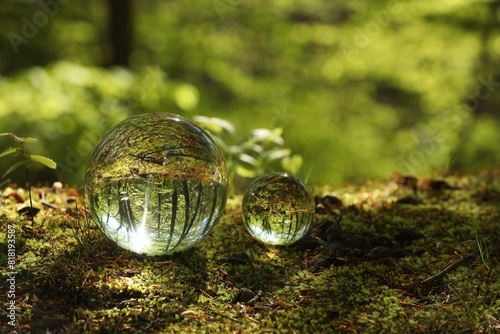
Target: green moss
point(69, 276)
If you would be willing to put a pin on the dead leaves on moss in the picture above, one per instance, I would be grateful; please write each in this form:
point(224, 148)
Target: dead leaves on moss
point(56, 198)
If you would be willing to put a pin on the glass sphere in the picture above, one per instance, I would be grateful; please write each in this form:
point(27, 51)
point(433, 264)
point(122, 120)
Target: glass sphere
point(277, 209)
point(156, 184)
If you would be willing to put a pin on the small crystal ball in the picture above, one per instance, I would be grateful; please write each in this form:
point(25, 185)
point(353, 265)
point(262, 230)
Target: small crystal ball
point(156, 184)
point(277, 209)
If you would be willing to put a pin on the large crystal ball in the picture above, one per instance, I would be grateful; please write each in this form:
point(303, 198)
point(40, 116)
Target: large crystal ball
point(278, 209)
point(156, 184)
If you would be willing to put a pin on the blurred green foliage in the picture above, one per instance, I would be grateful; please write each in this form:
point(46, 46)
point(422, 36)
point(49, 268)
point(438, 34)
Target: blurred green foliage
point(360, 89)
point(264, 151)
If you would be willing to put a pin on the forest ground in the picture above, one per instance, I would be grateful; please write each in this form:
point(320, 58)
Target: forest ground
point(407, 255)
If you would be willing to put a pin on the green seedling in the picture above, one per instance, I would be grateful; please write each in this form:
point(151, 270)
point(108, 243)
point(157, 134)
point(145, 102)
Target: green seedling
point(263, 151)
point(26, 159)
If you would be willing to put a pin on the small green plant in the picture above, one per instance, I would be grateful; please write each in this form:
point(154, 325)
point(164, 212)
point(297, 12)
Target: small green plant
point(483, 252)
point(262, 152)
point(26, 159)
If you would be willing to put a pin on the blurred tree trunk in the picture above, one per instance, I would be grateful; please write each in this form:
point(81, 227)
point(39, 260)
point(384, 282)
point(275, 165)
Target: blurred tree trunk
point(484, 93)
point(120, 31)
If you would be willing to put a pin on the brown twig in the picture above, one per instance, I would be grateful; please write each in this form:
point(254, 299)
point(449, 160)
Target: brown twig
point(223, 315)
point(255, 298)
point(446, 270)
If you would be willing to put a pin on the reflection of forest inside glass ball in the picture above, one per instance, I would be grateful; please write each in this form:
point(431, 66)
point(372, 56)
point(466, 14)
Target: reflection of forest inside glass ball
point(156, 184)
point(278, 209)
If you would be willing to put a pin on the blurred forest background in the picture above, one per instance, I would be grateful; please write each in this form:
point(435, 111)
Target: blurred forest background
point(360, 88)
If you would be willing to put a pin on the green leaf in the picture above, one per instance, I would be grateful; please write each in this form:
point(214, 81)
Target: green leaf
point(215, 125)
point(13, 167)
point(44, 161)
point(268, 136)
point(8, 151)
point(29, 140)
point(14, 137)
point(245, 172)
point(246, 158)
point(278, 154)
point(292, 164)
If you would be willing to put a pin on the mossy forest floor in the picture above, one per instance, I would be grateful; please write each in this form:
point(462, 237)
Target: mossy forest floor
point(405, 256)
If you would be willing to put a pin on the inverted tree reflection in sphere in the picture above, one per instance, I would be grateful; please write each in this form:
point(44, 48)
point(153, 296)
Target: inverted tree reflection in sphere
point(277, 209)
point(156, 184)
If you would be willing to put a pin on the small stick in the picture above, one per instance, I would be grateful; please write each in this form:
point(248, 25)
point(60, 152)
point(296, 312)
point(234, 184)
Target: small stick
point(255, 298)
point(446, 270)
point(4, 182)
point(224, 316)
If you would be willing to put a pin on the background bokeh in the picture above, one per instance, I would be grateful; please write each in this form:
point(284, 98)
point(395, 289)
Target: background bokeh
point(360, 88)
